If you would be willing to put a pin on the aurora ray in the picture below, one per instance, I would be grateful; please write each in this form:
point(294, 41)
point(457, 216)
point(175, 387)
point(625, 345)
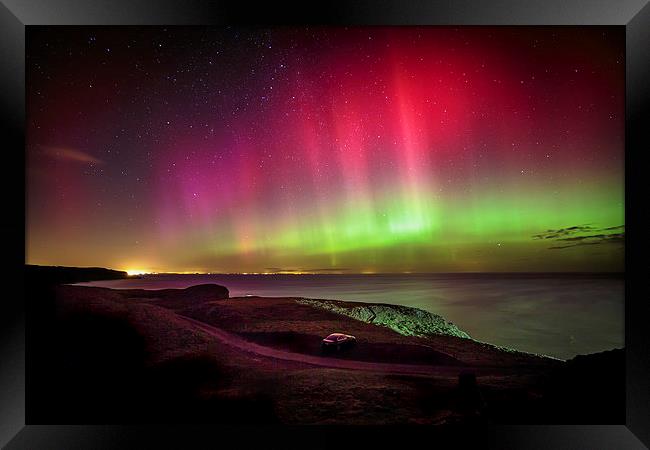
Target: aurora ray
point(410, 149)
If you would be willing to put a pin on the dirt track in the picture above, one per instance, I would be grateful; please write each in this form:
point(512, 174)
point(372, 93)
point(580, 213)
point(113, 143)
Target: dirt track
point(236, 341)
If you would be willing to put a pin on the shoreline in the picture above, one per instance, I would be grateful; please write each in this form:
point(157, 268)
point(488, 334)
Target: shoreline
point(503, 275)
point(200, 350)
point(309, 300)
point(521, 313)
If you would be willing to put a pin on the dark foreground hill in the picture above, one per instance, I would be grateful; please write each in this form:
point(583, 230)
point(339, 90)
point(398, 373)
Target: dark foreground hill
point(99, 355)
point(61, 274)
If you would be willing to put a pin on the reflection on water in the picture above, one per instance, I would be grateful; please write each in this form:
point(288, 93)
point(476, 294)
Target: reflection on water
point(553, 314)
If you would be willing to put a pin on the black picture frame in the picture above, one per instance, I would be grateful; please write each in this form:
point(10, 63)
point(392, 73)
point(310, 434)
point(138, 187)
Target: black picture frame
point(15, 15)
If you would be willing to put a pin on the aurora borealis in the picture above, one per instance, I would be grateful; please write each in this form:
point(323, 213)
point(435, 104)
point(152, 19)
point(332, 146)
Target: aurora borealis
point(362, 149)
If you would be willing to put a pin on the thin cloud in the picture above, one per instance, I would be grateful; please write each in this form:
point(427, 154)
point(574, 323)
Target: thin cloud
point(618, 227)
point(574, 236)
point(552, 234)
point(71, 154)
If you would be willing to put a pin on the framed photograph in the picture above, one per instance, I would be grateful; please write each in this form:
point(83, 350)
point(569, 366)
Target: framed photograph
point(340, 223)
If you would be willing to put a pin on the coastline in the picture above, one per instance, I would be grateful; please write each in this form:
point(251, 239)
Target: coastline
point(559, 317)
point(188, 355)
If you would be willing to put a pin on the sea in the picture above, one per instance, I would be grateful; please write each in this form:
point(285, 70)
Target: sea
point(559, 315)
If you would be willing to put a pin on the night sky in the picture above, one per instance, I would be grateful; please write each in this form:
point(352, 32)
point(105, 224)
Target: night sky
point(398, 149)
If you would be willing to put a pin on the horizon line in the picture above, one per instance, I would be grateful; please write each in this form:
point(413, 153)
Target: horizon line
point(325, 272)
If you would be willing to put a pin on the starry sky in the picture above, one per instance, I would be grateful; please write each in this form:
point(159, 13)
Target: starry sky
point(326, 149)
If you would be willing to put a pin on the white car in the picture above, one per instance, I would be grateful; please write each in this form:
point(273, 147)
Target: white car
point(337, 341)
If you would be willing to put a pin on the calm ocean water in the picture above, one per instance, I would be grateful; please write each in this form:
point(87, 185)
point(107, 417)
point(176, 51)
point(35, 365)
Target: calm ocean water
point(558, 315)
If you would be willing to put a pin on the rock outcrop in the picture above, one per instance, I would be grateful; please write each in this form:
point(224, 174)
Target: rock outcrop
point(402, 319)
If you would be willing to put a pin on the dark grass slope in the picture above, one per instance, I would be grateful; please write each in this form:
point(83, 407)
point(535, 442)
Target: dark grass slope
point(90, 365)
point(44, 275)
point(179, 298)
